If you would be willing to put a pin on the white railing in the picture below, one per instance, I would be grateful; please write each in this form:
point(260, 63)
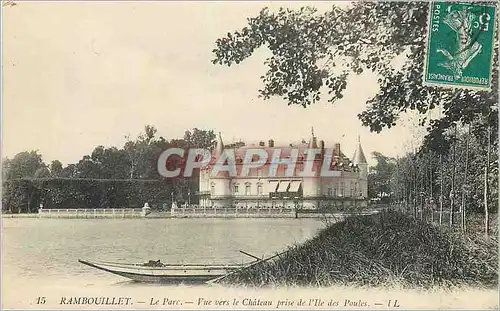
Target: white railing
point(90, 213)
point(231, 212)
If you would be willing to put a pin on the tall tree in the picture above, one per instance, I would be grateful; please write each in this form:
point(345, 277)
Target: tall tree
point(87, 168)
point(200, 138)
point(56, 168)
point(70, 171)
point(42, 172)
point(380, 176)
point(22, 165)
point(140, 152)
point(21, 195)
point(110, 162)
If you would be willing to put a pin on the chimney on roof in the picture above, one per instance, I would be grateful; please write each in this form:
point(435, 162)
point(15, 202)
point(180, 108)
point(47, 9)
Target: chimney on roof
point(322, 146)
point(271, 143)
point(262, 144)
point(337, 149)
point(313, 142)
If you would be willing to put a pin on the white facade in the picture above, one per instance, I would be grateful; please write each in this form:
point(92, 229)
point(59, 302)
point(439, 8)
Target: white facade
point(348, 187)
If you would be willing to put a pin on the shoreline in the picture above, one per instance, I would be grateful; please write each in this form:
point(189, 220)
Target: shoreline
point(388, 249)
point(167, 215)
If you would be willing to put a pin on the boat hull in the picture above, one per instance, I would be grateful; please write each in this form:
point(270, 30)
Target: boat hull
point(164, 274)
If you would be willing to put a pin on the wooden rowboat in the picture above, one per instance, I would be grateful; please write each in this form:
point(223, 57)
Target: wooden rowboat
point(157, 272)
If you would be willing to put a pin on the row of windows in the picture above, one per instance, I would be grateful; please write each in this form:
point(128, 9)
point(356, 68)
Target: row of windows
point(248, 189)
point(236, 189)
point(332, 192)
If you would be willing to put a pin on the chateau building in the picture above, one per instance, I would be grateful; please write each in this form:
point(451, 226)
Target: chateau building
point(346, 185)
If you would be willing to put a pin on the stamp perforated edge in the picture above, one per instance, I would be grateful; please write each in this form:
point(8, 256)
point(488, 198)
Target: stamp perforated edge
point(453, 85)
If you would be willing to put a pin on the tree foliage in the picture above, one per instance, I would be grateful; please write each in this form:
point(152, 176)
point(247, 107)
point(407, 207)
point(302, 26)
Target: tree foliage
point(200, 139)
point(25, 195)
point(456, 176)
point(316, 52)
point(22, 165)
point(378, 177)
point(56, 168)
point(107, 177)
point(312, 56)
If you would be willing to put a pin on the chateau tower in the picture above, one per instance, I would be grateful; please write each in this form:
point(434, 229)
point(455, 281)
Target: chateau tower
point(359, 159)
point(311, 185)
point(220, 186)
point(219, 146)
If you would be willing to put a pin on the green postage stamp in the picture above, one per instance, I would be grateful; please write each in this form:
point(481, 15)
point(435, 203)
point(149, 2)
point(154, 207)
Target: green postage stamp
point(460, 45)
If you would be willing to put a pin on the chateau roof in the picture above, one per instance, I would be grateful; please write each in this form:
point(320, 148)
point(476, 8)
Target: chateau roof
point(285, 150)
point(240, 150)
point(285, 153)
point(359, 155)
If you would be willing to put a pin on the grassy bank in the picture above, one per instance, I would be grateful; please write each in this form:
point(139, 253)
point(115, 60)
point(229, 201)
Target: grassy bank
point(389, 249)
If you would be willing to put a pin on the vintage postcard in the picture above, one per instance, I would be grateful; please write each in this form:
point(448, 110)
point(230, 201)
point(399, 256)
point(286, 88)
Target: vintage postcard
point(172, 155)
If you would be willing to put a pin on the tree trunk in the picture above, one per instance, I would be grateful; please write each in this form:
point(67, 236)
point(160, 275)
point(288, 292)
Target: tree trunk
point(452, 200)
point(486, 216)
point(431, 184)
point(422, 195)
point(441, 190)
point(415, 195)
point(132, 170)
point(452, 191)
point(464, 187)
point(486, 168)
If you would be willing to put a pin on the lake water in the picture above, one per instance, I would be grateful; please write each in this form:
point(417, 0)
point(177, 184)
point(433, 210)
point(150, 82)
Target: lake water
point(39, 259)
point(46, 251)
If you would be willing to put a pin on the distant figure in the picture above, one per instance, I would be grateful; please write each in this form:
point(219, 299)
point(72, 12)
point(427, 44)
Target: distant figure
point(146, 210)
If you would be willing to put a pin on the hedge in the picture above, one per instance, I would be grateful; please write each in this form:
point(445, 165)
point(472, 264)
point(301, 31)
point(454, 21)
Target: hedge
point(26, 195)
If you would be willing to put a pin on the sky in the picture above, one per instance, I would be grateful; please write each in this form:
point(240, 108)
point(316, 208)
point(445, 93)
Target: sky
point(81, 74)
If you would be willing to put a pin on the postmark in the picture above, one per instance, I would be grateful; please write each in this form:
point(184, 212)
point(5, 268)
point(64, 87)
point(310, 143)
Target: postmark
point(460, 45)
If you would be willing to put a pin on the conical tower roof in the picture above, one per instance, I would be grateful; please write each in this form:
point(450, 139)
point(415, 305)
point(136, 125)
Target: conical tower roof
point(220, 146)
point(359, 155)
